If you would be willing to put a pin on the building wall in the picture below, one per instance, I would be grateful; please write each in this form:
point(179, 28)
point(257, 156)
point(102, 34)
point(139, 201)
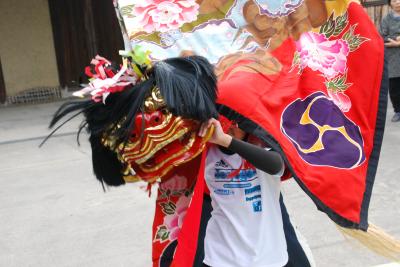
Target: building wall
point(26, 45)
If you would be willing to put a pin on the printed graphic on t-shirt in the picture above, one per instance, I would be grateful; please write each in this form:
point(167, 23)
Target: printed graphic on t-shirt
point(243, 182)
point(245, 203)
point(255, 199)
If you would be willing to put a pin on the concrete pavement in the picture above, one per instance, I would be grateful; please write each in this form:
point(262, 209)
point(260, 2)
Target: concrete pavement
point(54, 213)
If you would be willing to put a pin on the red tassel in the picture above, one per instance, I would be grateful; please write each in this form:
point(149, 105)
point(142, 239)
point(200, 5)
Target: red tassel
point(149, 185)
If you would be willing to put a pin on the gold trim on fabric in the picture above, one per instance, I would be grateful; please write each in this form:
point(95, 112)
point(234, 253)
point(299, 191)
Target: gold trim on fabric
point(155, 101)
point(131, 178)
point(187, 147)
point(159, 146)
point(150, 140)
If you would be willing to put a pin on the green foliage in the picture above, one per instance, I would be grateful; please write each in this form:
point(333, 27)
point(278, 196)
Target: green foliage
point(334, 26)
point(162, 233)
point(354, 40)
point(168, 207)
point(126, 11)
point(338, 84)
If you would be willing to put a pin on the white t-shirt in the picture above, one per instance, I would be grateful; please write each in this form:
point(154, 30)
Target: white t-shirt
point(245, 229)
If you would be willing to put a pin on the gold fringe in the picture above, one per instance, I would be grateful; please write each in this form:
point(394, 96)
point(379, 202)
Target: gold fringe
point(376, 240)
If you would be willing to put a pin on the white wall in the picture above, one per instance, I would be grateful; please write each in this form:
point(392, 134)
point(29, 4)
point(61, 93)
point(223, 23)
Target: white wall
point(26, 45)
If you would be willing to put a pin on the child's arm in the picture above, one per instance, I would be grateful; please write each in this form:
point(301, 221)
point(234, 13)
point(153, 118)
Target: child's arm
point(268, 161)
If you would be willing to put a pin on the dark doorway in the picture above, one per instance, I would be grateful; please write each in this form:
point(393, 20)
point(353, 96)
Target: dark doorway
point(2, 86)
point(83, 29)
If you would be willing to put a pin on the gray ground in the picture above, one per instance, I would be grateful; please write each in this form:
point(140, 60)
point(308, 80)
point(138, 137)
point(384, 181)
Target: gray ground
point(54, 213)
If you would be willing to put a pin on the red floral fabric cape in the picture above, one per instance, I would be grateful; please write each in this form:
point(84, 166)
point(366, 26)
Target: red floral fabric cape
point(317, 100)
point(330, 144)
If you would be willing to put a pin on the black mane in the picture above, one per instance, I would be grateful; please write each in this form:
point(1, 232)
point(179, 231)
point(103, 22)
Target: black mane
point(188, 86)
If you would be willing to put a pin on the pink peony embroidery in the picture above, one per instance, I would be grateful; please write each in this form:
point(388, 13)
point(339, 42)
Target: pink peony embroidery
point(175, 184)
point(341, 100)
point(174, 222)
point(321, 54)
point(165, 15)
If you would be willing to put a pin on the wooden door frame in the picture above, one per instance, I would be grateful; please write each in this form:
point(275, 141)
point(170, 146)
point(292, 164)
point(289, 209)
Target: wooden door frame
point(81, 30)
point(371, 3)
point(3, 95)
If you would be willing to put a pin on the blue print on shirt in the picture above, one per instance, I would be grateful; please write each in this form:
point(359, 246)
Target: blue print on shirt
point(257, 203)
point(257, 207)
point(237, 185)
point(245, 181)
point(253, 198)
point(254, 189)
point(242, 176)
point(224, 192)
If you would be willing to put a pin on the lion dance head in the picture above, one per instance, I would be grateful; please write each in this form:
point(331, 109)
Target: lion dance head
point(143, 120)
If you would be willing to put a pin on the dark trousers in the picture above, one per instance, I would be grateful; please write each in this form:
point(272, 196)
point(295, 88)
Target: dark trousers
point(394, 92)
point(297, 256)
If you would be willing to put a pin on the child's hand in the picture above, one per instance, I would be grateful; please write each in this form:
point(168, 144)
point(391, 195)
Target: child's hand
point(218, 137)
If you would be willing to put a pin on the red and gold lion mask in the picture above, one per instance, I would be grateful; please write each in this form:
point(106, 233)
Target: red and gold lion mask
point(143, 119)
point(160, 142)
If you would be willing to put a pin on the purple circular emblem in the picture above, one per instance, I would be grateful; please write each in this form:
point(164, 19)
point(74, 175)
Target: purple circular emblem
point(322, 134)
